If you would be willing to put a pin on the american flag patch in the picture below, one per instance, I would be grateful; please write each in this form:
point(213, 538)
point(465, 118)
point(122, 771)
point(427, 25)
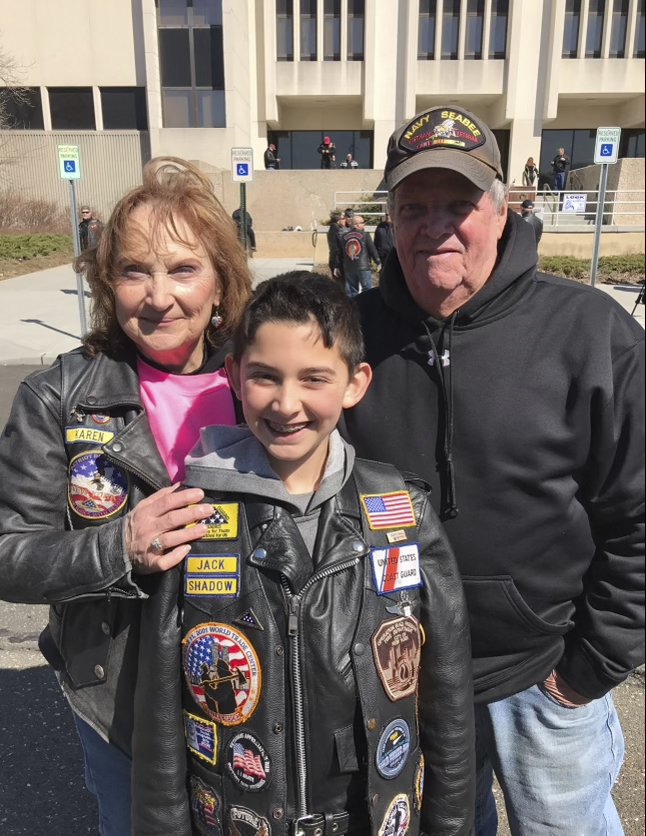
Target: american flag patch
point(389, 510)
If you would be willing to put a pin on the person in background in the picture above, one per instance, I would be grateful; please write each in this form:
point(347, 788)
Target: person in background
point(237, 216)
point(527, 212)
point(327, 150)
point(560, 165)
point(384, 237)
point(271, 158)
point(530, 173)
point(362, 722)
point(519, 397)
point(90, 229)
point(349, 162)
point(356, 252)
point(334, 232)
point(105, 431)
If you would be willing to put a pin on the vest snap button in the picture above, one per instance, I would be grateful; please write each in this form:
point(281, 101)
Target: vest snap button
point(99, 672)
point(277, 728)
point(357, 546)
point(117, 446)
point(277, 813)
point(359, 648)
point(279, 651)
point(371, 724)
point(105, 628)
point(260, 554)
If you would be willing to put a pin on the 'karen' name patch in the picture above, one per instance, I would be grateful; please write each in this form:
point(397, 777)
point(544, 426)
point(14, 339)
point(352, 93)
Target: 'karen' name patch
point(78, 434)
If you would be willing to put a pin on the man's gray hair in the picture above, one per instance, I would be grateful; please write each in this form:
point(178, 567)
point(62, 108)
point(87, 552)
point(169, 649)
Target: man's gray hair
point(497, 193)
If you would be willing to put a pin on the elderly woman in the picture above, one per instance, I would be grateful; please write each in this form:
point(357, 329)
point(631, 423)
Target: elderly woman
point(91, 517)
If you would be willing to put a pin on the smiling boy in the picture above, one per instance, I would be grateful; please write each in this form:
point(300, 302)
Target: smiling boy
point(325, 657)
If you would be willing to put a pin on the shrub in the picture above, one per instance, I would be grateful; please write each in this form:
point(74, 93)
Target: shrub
point(19, 213)
point(612, 268)
point(26, 247)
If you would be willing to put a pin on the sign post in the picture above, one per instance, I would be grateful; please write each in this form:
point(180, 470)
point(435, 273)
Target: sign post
point(242, 172)
point(69, 164)
point(606, 152)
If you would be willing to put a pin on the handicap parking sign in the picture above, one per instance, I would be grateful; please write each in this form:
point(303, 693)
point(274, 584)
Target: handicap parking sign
point(243, 169)
point(606, 146)
point(242, 164)
point(606, 149)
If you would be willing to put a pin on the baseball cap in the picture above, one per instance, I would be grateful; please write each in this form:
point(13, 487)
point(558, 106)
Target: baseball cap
point(444, 137)
point(349, 213)
point(85, 209)
point(527, 204)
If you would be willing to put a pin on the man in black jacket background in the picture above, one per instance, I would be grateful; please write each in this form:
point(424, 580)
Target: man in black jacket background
point(520, 398)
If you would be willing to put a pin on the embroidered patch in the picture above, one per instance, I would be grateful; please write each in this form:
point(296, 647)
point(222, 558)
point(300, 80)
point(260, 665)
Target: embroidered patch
point(201, 737)
point(395, 568)
point(418, 785)
point(222, 672)
point(248, 763)
point(396, 652)
point(212, 574)
point(223, 522)
point(243, 822)
point(97, 489)
point(249, 619)
point(393, 749)
point(76, 434)
point(397, 819)
point(389, 510)
point(205, 808)
point(98, 418)
point(442, 129)
point(397, 536)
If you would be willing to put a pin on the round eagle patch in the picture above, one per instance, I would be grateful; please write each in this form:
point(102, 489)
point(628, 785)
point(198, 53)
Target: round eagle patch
point(222, 672)
point(97, 489)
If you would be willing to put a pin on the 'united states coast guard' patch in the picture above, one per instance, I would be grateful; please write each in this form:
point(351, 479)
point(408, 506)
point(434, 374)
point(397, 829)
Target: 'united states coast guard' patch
point(395, 568)
point(97, 489)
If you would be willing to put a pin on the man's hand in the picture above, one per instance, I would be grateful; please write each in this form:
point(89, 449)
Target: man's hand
point(155, 532)
point(561, 692)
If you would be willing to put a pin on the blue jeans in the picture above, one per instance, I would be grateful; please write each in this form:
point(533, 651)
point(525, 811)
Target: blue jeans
point(559, 181)
point(356, 281)
point(107, 777)
point(555, 765)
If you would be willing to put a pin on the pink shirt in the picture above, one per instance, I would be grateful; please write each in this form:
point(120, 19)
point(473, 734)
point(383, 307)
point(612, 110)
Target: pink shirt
point(178, 406)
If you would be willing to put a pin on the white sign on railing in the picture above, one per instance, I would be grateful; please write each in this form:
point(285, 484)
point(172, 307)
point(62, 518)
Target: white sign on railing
point(574, 203)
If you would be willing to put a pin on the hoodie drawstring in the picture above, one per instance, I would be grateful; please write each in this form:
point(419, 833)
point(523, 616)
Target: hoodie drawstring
point(449, 508)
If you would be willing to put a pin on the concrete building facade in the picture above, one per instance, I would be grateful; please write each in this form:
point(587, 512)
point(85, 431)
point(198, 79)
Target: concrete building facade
point(194, 78)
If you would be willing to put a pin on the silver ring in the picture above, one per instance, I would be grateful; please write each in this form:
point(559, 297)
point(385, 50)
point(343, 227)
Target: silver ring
point(156, 546)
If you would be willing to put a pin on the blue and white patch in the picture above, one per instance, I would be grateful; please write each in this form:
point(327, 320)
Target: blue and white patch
point(395, 568)
point(97, 489)
point(393, 749)
point(201, 737)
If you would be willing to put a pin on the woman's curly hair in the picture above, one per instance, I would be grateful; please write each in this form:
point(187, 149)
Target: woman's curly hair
point(174, 189)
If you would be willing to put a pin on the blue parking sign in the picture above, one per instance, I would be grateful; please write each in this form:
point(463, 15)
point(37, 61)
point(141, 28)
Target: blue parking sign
point(243, 169)
point(606, 149)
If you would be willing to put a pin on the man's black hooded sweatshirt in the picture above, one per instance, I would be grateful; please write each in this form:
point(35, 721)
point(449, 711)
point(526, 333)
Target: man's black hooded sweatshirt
point(525, 412)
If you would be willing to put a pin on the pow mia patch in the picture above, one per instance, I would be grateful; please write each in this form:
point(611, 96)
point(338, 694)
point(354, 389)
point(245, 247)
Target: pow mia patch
point(222, 672)
point(222, 524)
point(201, 737)
point(393, 749)
point(247, 823)
point(248, 763)
point(396, 650)
point(397, 819)
point(97, 489)
point(205, 808)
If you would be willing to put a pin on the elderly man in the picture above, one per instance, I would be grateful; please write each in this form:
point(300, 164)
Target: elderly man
point(519, 397)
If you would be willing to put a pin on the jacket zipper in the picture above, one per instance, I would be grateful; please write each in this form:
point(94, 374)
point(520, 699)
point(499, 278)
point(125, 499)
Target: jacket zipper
point(294, 602)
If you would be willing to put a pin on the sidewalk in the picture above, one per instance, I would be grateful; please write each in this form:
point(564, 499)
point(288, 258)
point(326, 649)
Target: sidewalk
point(39, 312)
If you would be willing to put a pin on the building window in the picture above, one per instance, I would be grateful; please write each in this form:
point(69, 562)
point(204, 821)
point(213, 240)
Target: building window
point(285, 30)
point(426, 30)
point(21, 109)
point(631, 143)
point(72, 108)
point(332, 30)
point(191, 61)
point(450, 28)
point(356, 12)
point(298, 149)
point(618, 29)
point(594, 33)
point(124, 108)
point(498, 32)
point(571, 28)
point(640, 35)
point(473, 38)
point(308, 30)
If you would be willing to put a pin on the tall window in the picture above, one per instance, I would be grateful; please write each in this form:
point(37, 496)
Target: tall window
point(571, 28)
point(640, 35)
point(450, 28)
point(332, 30)
point(21, 109)
point(473, 35)
point(356, 11)
point(285, 30)
point(191, 63)
point(72, 108)
point(124, 108)
point(498, 32)
point(308, 30)
point(426, 29)
point(618, 29)
point(594, 34)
